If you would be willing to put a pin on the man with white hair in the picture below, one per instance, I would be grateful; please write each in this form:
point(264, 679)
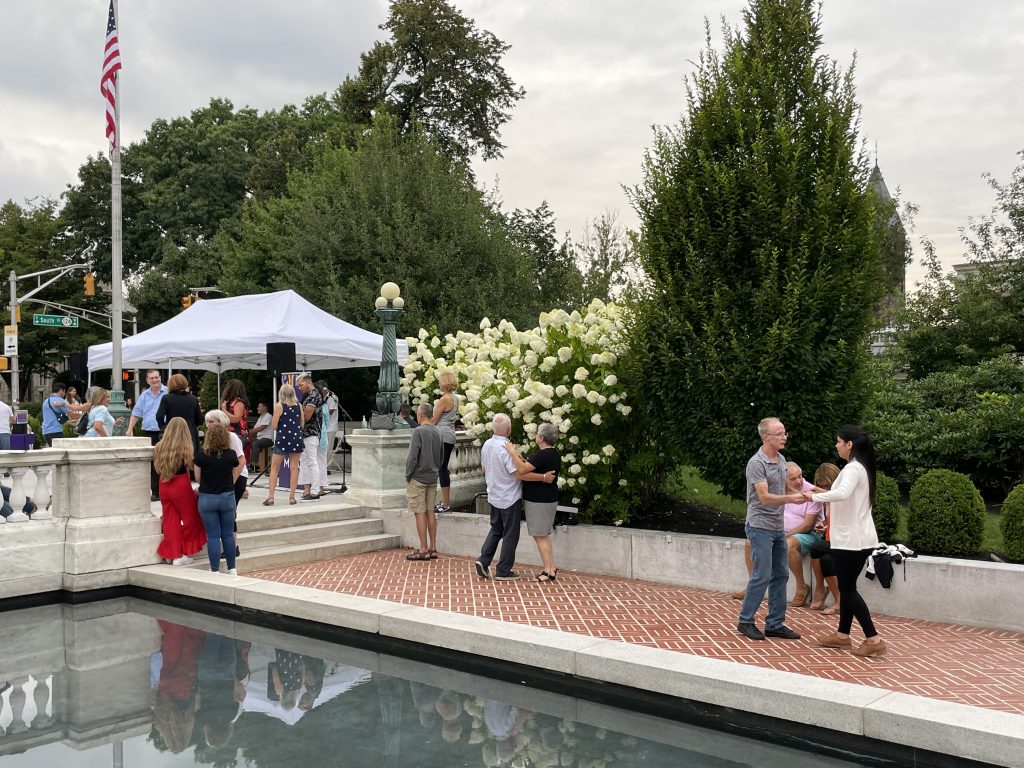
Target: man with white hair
point(504, 494)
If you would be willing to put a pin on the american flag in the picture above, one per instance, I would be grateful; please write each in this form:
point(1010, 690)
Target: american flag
point(108, 80)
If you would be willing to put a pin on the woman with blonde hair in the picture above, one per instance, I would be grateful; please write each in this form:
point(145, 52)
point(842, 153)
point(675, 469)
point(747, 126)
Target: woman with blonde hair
point(217, 468)
point(101, 423)
point(287, 427)
point(446, 414)
point(173, 456)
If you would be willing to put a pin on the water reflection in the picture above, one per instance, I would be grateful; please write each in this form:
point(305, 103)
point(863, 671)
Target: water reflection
point(168, 687)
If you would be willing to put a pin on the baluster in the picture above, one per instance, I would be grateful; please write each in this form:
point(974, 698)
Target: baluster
point(17, 700)
point(41, 695)
point(5, 709)
point(41, 495)
point(17, 495)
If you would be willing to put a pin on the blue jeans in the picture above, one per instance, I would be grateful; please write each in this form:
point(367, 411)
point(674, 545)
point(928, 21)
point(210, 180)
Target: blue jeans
point(218, 513)
point(771, 572)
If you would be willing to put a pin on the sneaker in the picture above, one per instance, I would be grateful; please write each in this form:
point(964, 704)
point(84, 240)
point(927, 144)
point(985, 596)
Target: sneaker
point(309, 497)
point(834, 641)
point(481, 570)
point(510, 576)
point(783, 632)
point(183, 560)
point(232, 571)
point(750, 631)
point(154, 497)
point(870, 649)
point(438, 509)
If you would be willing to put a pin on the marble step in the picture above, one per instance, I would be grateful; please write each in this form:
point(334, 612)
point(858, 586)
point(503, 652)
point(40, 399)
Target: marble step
point(265, 518)
point(307, 534)
point(291, 554)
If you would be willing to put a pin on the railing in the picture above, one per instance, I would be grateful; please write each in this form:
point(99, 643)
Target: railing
point(27, 703)
point(465, 460)
point(29, 481)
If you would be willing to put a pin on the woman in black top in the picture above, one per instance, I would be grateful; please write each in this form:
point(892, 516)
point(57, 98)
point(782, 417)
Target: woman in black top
point(539, 474)
point(180, 402)
point(217, 468)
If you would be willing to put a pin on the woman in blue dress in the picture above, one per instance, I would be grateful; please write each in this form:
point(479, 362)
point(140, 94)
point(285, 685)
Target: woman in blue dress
point(287, 425)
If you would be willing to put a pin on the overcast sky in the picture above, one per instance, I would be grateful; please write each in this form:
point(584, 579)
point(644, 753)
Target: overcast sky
point(940, 83)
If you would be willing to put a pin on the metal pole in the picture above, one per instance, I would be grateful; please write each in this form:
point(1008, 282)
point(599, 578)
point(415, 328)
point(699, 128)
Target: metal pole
point(14, 322)
point(116, 304)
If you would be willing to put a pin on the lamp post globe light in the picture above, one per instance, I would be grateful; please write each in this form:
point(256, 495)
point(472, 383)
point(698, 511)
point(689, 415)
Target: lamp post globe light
point(390, 306)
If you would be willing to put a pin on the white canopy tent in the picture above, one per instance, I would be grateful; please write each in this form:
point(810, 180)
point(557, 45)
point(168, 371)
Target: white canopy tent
point(224, 334)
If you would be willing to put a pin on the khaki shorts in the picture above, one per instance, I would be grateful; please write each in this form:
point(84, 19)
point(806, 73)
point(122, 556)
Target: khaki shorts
point(419, 496)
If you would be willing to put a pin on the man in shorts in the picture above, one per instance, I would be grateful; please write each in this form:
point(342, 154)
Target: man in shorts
point(421, 466)
point(800, 520)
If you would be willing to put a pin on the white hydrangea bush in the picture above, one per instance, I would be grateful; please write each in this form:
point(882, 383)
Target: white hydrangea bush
point(564, 372)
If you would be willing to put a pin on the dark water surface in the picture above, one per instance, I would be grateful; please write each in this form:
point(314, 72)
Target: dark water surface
point(131, 683)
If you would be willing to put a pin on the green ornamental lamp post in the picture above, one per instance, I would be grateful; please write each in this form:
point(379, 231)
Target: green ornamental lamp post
point(390, 306)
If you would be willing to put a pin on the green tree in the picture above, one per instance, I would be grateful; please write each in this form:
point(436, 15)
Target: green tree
point(32, 238)
point(607, 257)
point(558, 278)
point(392, 208)
point(759, 238)
point(440, 71)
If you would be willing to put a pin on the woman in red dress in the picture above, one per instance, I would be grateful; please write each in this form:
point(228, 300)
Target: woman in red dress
point(184, 533)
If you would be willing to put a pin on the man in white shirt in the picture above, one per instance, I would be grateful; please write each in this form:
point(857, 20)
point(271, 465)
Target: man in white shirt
point(262, 434)
point(6, 420)
point(504, 494)
point(331, 425)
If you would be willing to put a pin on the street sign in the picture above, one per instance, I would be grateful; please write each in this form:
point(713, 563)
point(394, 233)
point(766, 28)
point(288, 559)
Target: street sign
point(10, 345)
point(55, 321)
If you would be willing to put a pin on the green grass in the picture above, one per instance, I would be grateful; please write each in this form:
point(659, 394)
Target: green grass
point(686, 483)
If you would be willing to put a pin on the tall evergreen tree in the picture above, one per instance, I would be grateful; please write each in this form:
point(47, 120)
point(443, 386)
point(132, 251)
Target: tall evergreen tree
point(759, 238)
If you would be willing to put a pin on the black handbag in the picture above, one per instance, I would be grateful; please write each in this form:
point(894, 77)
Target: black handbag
point(62, 416)
point(83, 424)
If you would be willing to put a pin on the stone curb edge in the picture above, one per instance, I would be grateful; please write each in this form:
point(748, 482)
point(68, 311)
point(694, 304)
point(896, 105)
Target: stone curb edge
point(948, 728)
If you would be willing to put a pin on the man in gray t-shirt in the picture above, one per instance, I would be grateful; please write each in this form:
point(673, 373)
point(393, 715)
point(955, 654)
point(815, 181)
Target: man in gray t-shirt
point(766, 532)
point(421, 465)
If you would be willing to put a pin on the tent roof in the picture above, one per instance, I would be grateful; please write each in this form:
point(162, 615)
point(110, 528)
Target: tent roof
point(224, 334)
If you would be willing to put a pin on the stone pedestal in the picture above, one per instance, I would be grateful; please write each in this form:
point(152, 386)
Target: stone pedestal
point(104, 487)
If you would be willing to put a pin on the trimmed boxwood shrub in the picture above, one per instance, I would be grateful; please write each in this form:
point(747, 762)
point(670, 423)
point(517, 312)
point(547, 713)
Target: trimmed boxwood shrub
point(946, 515)
point(887, 507)
point(1011, 523)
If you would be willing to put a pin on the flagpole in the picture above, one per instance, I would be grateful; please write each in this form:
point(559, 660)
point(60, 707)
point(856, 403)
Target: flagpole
point(116, 306)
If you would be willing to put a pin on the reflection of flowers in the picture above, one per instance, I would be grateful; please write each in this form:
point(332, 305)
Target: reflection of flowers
point(561, 372)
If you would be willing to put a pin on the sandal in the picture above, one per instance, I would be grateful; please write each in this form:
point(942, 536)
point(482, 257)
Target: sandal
point(245, 494)
point(292, 501)
point(832, 610)
point(268, 503)
point(544, 576)
point(417, 555)
point(799, 599)
point(432, 553)
point(818, 603)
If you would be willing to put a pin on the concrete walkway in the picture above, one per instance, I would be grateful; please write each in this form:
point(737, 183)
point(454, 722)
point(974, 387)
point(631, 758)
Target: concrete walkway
point(968, 665)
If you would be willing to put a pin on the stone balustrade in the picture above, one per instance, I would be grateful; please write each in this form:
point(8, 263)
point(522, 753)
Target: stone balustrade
point(92, 521)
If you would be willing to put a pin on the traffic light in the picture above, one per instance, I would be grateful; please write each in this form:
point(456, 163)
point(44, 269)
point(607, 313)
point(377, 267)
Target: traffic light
point(89, 283)
point(186, 302)
point(127, 376)
point(3, 363)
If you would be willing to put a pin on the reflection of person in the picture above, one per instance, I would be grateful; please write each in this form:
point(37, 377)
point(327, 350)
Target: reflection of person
point(101, 423)
point(174, 708)
point(287, 426)
point(313, 672)
point(219, 691)
point(852, 535)
point(184, 533)
point(504, 492)
point(446, 414)
point(539, 474)
point(286, 677)
point(421, 465)
point(766, 497)
point(217, 468)
point(180, 402)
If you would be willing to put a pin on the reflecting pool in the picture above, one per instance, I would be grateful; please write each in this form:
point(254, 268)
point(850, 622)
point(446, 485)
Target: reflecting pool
point(131, 683)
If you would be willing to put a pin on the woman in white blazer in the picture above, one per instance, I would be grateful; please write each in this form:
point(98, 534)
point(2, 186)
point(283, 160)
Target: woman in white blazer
point(852, 533)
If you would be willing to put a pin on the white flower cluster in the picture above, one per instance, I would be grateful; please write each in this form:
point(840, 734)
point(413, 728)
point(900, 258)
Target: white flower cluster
point(562, 372)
